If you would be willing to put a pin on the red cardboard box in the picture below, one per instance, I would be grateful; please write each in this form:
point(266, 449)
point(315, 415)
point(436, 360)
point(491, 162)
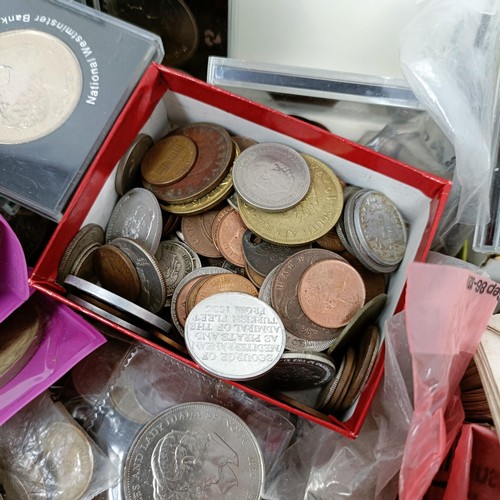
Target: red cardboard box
point(166, 95)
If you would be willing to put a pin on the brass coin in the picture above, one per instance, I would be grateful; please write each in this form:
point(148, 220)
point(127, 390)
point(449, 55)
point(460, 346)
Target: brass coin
point(206, 202)
point(215, 153)
point(312, 218)
point(20, 336)
point(220, 283)
point(117, 273)
point(331, 292)
point(168, 161)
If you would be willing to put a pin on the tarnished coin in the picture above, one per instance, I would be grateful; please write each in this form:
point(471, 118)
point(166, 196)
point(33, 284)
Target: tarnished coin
point(87, 236)
point(194, 450)
point(331, 241)
point(116, 272)
point(345, 380)
point(215, 153)
point(263, 256)
point(153, 291)
point(41, 84)
point(67, 449)
point(192, 294)
point(295, 371)
point(313, 217)
point(128, 170)
point(20, 336)
point(227, 232)
point(366, 316)
point(380, 227)
point(84, 265)
point(197, 230)
point(243, 142)
point(137, 216)
point(366, 354)
point(168, 161)
point(256, 278)
point(331, 292)
point(270, 176)
point(329, 389)
point(284, 295)
point(178, 305)
point(234, 336)
point(77, 284)
point(175, 262)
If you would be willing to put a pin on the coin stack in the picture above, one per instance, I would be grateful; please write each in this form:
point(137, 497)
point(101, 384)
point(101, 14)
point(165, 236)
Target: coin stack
point(269, 267)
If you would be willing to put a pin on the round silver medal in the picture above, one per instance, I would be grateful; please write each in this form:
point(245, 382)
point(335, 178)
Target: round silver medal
point(234, 336)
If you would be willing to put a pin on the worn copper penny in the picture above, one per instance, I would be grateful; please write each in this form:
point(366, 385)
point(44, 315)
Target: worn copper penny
point(331, 292)
point(284, 295)
point(343, 383)
point(220, 283)
point(197, 231)
point(215, 152)
point(331, 241)
point(243, 142)
point(180, 305)
point(168, 161)
point(116, 272)
point(228, 236)
point(192, 294)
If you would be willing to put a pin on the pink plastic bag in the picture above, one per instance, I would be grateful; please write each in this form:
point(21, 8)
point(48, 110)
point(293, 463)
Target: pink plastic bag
point(14, 288)
point(447, 310)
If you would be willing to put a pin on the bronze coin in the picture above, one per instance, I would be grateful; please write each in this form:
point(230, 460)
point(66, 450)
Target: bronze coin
point(192, 294)
point(331, 292)
point(366, 354)
point(84, 265)
point(197, 231)
point(331, 241)
point(215, 152)
point(180, 305)
point(256, 278)
point(116, 272)
point(344, 381)
point(168, 161)
point(284, 295)
point(243, 142)
point(219, 283)
point(229, 230)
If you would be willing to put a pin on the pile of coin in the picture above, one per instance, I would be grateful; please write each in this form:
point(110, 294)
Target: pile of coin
point(215, 221)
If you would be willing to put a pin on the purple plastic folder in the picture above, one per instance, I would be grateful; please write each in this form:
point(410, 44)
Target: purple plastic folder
point(67, 338)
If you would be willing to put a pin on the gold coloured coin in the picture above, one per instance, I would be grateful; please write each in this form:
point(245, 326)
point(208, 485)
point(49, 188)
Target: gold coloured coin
point(168, 161)
point(312, 218)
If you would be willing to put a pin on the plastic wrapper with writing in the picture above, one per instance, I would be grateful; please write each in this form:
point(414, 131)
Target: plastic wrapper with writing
point(447, 310)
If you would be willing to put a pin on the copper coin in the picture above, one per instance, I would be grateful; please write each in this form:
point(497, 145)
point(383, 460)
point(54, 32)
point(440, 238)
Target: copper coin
point(229, 237)
point(331, 241)
point(243, 142)
point(128, 170)
point(217, 220)
point(331, 292)
point(116, 272)
point(220, 283)
point(215, 152)
point(84, 265)
point(343, 383)
point(168, 161)
point(256, 278)
point(180, 305)
point(366, 354)
point(192, 294)
point(197, 231)
point(284, 295)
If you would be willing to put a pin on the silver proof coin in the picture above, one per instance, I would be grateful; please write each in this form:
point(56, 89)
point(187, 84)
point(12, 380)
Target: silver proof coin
point(137, 216)
point(234, 336)
point(118, 302)
point(191, 451)
point(295, 371)
point(153, 289)
point(40, 85)
point(380, 228)
point(204, 271)
point(271, 176)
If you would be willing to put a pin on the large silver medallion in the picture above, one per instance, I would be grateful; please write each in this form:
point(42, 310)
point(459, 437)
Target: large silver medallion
point(40, 85)
point(194, 451)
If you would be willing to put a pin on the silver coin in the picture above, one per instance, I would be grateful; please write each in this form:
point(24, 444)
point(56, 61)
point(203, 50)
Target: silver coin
point(204, 271)
point(234, 336)
point(296, 371)
point(41, 85)
point(195, 258)
point(194, 450)
point(380, 228)
point(118, 302)
point(175, 263)
point(271, 176)
point(153, 289)
point(137, 216)
point(111, 317)
point(128, 170)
